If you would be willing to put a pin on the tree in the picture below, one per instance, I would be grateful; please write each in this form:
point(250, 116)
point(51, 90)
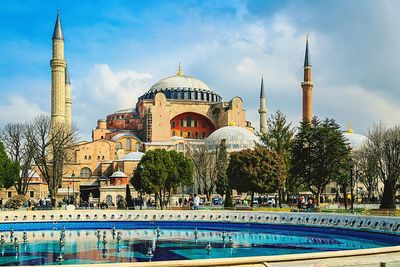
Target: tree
point(221, 185)
point(161, 172)
point(367, 164)
point(257, 171)
point(279, 138)
point(129, 202)
point(51, 150)
point(320, 154)
point(9, 170)
point(384, 147)
point(14, 136)
point(205, 162)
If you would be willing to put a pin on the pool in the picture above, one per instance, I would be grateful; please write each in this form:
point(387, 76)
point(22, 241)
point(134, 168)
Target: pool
point(94, 242)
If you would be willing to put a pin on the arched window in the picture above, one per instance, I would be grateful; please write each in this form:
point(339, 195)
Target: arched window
point(173, 124)
point(86, 172)
point(119, 145)
point(118, 199)
point(128, 144)
point(109, 200)
point(196, 135)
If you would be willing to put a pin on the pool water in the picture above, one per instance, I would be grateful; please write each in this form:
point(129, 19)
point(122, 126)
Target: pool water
point(158, 243)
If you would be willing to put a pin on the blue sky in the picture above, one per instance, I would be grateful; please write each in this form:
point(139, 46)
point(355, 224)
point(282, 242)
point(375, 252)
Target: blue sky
point(117, 49)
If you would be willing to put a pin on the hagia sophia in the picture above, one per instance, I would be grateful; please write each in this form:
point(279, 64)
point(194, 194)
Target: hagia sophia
point(174, 113)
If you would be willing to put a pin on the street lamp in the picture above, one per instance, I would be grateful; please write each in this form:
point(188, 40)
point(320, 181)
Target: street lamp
point(73, 187)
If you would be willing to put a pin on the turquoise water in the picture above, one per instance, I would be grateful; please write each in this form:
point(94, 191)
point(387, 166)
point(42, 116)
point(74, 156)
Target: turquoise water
point(82, 246)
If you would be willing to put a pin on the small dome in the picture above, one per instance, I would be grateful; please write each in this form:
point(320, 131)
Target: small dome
point(118, 174)
point(134, 156)
point(123, 111)
point(31, 174)
point(126, 134)
point(356, 141)
point(237, 138)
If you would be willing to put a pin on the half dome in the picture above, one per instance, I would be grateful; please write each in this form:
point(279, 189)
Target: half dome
point(237, 138)
point(133, 156)
point(118, 174)
point(356, 141)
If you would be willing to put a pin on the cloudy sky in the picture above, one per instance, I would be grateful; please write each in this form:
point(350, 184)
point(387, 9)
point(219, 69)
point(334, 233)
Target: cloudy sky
point(117, 49)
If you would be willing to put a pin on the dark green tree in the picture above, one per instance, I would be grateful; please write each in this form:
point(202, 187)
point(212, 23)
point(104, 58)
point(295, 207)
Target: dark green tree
point(278, 138)
point(161, 172)
point(257, 171)
point(129, 202)
point(222, 185)
point(9, 170)
point(320, 153)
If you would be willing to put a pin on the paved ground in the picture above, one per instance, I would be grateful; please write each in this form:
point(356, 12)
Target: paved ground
point(391, 260)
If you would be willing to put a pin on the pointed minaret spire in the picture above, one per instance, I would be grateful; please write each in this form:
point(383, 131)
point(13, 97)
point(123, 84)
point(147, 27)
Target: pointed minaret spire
point(262, 93)
point(307, 61)
point(67, 79)
point(263, 109)
point(57, 34)
point(307, 86)
point(58, 75)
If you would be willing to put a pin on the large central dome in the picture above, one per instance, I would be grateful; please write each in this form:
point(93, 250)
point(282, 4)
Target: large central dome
point(182, 87)
point(180, 81)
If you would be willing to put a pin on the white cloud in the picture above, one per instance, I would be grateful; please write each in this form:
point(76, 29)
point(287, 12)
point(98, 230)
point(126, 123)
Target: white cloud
point(18, 109)
point(104, 91)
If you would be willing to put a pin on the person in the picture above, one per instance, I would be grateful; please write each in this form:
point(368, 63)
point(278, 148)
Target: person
point(1, 203)
point(310, 205)
point(196, 202)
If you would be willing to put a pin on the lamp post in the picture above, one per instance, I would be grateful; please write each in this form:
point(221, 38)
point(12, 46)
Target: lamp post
point(351, 190)
point(73, 187)
point(68, 192)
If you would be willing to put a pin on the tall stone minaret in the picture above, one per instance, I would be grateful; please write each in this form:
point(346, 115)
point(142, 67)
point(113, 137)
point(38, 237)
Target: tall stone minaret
point(307, 86)
point(68, 100)
point(263, 109)
point(58, 65)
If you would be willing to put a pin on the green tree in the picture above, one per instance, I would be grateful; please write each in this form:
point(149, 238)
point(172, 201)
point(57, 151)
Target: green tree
point(161, 172)
point(222, 163)
point(257, 171)
point(279, 138)
point(9, 170)
point(320, 154)
point(129, 202)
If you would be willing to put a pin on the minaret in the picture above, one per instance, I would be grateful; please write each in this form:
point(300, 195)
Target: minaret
point(68, 100)
point(307, 86)
point(263, 109)
point(58, 65)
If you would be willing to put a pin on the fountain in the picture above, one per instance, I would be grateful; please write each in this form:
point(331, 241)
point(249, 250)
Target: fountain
point(208, 248)
point(25, 236)
point(158, 232)
point(104, 242)
point(16, 247)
